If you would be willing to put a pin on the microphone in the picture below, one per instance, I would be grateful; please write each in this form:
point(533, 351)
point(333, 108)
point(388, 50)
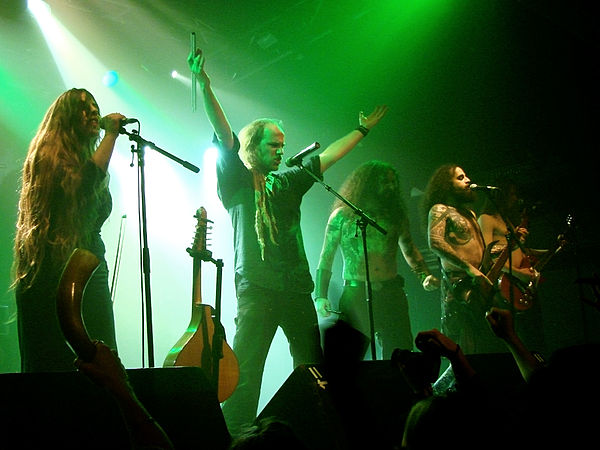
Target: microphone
point(476, 187)
point(297, 158)
point(124, 122)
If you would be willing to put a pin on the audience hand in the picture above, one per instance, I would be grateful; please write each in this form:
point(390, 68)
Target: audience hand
point(436, 342)
point(501, 322)
point(105, 369)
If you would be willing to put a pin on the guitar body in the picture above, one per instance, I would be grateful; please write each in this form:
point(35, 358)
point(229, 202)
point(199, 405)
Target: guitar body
point(203, 343)
point(481, 296)
point(195, 348)
point(522, 295)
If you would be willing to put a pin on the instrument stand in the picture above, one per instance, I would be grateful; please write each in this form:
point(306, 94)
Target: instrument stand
point(363, 221)
point(140, 149)
point(219, 333)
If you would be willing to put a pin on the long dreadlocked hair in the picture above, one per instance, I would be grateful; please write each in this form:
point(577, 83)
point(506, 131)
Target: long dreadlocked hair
point(360, 188)
point(265, 224)
point(52, 216)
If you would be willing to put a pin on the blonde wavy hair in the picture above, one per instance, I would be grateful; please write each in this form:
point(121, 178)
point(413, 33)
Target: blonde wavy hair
point(53, 216)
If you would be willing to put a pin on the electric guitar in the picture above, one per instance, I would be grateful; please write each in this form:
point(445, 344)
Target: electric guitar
point(203, 344)
point(523, 294)
point(484, 295)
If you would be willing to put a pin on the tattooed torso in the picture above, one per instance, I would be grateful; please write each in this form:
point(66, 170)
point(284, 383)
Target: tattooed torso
point(455, 237)
point(382, 249)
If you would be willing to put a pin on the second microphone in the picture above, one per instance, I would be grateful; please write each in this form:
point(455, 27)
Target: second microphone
point(297, 158)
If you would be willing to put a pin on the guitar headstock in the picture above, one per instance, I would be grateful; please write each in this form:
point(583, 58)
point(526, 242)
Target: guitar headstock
point(570, 221)
point(200, 236)
point(564, 238)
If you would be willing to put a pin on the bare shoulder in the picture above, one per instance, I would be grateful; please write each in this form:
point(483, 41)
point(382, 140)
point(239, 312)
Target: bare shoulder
point(438, 211)
point(492, 222)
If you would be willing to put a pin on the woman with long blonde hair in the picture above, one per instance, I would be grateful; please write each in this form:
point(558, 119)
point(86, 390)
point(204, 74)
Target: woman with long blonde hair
point(63, 203)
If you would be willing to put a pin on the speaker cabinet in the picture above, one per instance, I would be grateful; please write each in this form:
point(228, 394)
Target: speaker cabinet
point(362, 407)
point(66, 410)
point(498, 370)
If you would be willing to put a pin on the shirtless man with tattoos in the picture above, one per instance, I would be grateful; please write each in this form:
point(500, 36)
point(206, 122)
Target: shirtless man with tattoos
point(373, 187)
point(455, 237)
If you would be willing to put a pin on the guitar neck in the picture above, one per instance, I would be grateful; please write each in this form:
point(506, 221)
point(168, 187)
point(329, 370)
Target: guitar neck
point(496, 269)
point(561, 242)
point(545, 259)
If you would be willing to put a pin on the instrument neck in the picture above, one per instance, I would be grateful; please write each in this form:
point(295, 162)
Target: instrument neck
point(197, 281)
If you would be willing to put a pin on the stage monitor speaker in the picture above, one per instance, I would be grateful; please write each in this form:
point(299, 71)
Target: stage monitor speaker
point(66, 410)
point(365, 410)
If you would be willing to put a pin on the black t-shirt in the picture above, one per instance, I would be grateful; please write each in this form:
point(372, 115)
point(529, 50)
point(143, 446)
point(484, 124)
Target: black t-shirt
point(285, 266)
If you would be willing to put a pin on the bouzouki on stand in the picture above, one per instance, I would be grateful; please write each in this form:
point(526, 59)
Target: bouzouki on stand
point(203, 344)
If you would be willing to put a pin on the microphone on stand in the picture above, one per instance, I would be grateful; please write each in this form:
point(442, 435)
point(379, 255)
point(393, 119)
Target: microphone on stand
point(476, 187)
point(124, 122)
point(297, 158)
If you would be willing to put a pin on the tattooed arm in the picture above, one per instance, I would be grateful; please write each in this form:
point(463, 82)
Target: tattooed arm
point(331, 242)
point(414, 258)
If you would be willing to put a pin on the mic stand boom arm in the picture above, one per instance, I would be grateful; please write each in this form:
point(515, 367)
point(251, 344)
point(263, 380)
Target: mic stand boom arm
point(363, 221)
point(145, 254)
point(134, 136)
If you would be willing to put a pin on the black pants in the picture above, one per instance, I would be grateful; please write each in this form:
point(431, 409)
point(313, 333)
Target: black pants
point(390, 313)
point(260, 312)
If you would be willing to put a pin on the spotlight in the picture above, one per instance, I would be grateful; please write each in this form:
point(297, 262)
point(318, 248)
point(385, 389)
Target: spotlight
point(174, 74)
point(38, 7)
point(110, 78)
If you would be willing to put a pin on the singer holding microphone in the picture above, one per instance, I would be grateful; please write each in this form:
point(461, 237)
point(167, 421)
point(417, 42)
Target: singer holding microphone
point(63, 203)
point(273, 280)
point(455, 237)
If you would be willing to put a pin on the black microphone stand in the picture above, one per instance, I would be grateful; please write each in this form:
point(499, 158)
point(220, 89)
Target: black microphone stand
point(219, 331)
point(363, 221)
point(139, 149)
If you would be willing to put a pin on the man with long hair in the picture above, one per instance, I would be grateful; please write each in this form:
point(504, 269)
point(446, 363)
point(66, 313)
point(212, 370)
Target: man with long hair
point(373, 187)
point(272, 276)
point(502, 210)
point(504, 214)
point(455, 237)
point(63, 203)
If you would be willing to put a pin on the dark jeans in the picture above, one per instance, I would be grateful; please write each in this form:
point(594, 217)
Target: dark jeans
point(465, 323)
point(260, 312)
